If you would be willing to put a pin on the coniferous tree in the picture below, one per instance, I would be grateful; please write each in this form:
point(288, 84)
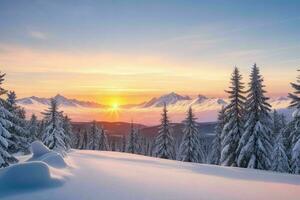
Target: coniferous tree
point(94, 136)
point(234, 126)
point(255, 145)
point(103, 141)
point(41, 128)
point(280, 161)
point(5, 157)
point(164, 142)
point(19, 140)
point(190, 148)
point(294, 129)
point(276, 125)
point(123, 147)
point(32, 127)
point(132, 139)
point(66, 124)
point(54, 134)
point(215, 155)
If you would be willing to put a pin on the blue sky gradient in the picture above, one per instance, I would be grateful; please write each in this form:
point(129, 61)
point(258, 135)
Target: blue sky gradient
point(199, 36)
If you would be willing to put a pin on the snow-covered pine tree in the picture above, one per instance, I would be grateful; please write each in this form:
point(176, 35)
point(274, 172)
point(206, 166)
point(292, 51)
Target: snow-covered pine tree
point(294, 128)
point(32, 127)
point(66, 124)
point(280, 161)
point(123, 147)
point(139, 141)
point(215, 155)
point(5, 157)
point(255, 145)
point(276, 125)
point(164, 142)
point(54, 134)
point(41, 128)
point(131, 146)
point(190, 149)
point(19, 134)
point(94, 136)
point(85, 139)
point(234, 126)
point(82, 134)
point(103, 141)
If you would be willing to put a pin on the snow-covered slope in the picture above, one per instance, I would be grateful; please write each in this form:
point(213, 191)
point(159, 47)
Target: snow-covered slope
point(113, 176)
point(205, 108)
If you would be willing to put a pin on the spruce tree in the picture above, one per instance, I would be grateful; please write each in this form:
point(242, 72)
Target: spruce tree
point(19, 134)
point(280, 161)
point(54, 134)
point(216, 147)
point(123, 147)
point(276, 125)
point(94, 136)
point(66, 124)
point(294, 128)
point(190, 148)
point(5, 157)
point(164, 142)
point(103, 141)
point(234, 126)
point(41, 128)
point(132, 139)
point(32, 127)
point(255, 145)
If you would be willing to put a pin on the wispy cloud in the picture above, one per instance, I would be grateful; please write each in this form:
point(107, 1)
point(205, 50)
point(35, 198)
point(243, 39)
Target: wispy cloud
point(38, 35)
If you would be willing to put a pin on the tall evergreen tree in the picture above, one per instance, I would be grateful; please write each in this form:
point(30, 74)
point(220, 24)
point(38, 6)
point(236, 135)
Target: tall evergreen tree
point(294, 128)
point(132, 139)
point(94, 136)
point(280, 161)
point(19, 134)
point(215, 155)
point(123, 147)
point(255, 145)
point(5, 157)
point(190, 148)
point(234, 126)
point(164, 142)
point(41, 128)
point(103, 141)
point(32, 127)
point(67, 126)
point(54, 134)
point(276, 125)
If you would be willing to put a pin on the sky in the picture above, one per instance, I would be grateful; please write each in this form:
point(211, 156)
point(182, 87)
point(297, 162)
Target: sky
point(130, 51)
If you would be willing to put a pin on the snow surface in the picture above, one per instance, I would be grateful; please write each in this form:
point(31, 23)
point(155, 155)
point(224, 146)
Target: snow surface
point(112, 175)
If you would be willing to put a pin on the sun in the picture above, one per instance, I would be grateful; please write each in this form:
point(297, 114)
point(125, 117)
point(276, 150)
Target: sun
point(114, 106)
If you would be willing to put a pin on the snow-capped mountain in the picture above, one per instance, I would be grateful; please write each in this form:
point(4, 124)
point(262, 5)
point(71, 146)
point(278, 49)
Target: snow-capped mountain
point(168, 99)
point(62, 101)
point(177, 102)
point(205, 108)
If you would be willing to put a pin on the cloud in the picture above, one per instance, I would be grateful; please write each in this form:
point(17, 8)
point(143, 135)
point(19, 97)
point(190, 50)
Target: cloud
point(38, 35)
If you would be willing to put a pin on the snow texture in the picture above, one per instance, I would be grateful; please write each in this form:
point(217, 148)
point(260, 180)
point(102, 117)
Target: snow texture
point(113, 175)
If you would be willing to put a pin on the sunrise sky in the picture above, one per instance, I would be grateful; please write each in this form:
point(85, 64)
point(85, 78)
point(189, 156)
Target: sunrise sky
point(129, 51)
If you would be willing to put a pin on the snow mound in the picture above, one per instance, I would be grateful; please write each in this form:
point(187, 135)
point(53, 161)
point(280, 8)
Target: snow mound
point(28, 177)
point(53, 159)
point(42, 153)
point(38, 149)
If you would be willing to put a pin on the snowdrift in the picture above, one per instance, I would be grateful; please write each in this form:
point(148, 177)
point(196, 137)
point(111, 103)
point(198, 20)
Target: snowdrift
point(114, 176)
point(38, 172)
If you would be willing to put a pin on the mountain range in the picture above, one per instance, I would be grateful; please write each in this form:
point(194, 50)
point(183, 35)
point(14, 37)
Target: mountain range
point(206, 108)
